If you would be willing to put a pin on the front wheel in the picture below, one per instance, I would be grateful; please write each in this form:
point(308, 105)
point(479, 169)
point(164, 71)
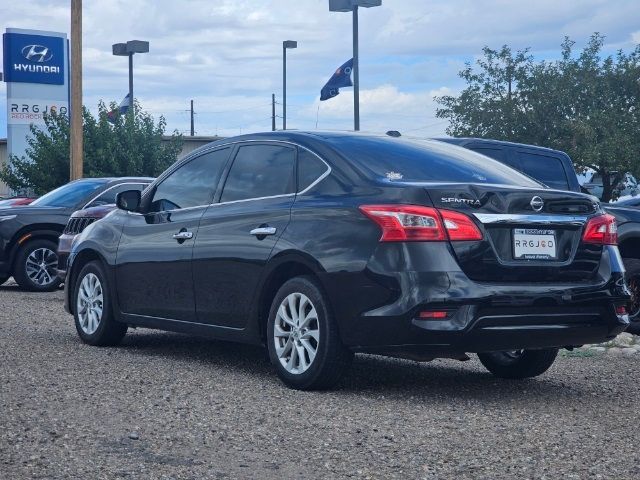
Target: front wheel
point(632, 266)
point(35, 266)
point(92, 308)
point(302, 337)
point(518, 363)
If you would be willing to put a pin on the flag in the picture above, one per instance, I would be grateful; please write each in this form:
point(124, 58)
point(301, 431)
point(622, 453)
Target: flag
point(119, 110)
point(341, 78)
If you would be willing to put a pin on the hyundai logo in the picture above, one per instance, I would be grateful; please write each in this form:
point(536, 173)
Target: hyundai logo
point(537, 203)
point(37, 53)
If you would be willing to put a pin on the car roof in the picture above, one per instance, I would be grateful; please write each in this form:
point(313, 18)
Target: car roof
point(488, 141)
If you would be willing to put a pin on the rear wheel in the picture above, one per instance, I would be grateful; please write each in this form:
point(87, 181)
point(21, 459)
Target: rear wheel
point(302, 337)
point(93, 315)
point(35, 266)
point(518, 363)
point(632, 266)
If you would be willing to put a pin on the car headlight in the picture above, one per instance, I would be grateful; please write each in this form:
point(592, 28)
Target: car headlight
point(7, 217)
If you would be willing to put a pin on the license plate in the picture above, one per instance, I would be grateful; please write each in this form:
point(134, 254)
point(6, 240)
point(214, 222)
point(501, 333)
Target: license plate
point(533, 244)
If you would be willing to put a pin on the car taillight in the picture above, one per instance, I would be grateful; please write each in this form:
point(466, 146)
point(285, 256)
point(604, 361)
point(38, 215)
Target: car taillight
point(413, 223)
point(601, 230)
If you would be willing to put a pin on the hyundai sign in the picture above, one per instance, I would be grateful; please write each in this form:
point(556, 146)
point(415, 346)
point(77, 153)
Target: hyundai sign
point(33, 58)
point(37, 75)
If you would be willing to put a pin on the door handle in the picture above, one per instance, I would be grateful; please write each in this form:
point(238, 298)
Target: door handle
point(263, 231)
point(183, 235)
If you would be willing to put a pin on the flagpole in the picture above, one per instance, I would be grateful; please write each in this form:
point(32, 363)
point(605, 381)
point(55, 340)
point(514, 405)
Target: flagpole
point(356, 72)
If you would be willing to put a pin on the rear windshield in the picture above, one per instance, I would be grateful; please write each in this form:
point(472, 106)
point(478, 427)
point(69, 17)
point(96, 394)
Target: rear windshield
point(427, 161)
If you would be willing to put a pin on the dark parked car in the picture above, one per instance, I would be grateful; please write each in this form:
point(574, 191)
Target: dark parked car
point(81, 219)
point(320, 245)
point(555, 169)
point(29, 234)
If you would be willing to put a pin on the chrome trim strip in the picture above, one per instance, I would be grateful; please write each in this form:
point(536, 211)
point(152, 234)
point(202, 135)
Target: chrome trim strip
point(499, 218)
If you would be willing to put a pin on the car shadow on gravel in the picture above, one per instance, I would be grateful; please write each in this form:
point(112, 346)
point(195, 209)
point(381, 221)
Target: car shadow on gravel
point(369, 375)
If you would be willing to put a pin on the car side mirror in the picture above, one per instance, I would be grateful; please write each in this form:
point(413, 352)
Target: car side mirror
point(128, 200)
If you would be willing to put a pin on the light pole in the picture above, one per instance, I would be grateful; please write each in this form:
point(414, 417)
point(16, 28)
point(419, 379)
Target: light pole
point(286, 44)
point(128, 50)
point(352, 6)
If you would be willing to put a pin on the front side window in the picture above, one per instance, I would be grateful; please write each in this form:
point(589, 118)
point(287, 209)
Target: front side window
point(191, 185)
point(71, 194)
point(260, 171)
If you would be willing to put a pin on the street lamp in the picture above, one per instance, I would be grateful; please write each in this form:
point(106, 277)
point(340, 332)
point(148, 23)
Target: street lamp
point(352, 6)
point(286, 44)
point(128, 50)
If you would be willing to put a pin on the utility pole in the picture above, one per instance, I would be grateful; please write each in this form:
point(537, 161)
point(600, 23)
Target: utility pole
point(192, 126)
point(273, 112)
point(75, 78)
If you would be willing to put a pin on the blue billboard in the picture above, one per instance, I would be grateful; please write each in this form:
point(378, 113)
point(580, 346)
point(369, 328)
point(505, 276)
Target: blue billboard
point(33, 58)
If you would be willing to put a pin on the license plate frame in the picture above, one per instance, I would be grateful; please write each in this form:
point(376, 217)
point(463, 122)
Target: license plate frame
point(534, 244)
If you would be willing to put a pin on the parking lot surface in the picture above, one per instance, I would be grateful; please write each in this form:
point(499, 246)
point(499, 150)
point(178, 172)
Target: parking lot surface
point(169, 406)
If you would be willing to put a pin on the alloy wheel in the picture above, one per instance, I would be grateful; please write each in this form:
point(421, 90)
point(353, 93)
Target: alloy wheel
point(90, 303)
point(296, 333)
point(40, 266)
point(634, 303)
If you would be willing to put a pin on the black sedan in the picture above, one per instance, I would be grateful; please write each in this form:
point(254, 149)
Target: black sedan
point(319, 245)
point(29, 234)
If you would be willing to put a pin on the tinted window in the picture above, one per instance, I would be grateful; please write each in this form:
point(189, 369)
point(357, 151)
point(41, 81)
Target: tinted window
point(310, 168)
point(494, 153)
point(192, 184)
point(547, 169)
point(71, 194)
point(426, 161)
point(260, 171)
point(109, 196)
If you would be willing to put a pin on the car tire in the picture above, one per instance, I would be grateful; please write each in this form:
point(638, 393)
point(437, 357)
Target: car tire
point(303, 339)
point(519, 364)
point(632, 266)
point(35, 266)
point(92, 311)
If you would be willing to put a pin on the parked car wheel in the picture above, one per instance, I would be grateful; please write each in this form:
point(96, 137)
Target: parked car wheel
point(35, 266)
point(632, 266)
point(519, 363)
point(92, 308)
point(303, 339)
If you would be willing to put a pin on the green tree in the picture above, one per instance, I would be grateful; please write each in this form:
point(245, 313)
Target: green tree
point(130, 146)
point(584, 104)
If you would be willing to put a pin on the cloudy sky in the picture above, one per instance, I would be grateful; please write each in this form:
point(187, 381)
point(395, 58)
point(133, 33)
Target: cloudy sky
point(226, 55)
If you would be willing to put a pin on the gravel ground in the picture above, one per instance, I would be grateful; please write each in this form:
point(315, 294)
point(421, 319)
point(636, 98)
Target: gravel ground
point(172, 406)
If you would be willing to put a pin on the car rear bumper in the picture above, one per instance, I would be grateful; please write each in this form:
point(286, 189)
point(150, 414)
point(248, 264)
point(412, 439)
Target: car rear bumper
point(480, 317)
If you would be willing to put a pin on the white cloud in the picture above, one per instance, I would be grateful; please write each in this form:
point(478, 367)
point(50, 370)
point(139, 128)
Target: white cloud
point(227, 54)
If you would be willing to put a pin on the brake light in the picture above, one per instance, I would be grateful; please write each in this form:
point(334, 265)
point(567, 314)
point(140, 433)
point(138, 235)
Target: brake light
point(405, 223)
point(601, 230)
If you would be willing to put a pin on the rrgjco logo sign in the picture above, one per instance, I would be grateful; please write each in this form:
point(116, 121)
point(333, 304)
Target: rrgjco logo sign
point(37, 53)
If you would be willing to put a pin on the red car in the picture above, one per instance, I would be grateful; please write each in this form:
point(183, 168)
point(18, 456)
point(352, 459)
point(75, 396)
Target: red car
point(15, 201)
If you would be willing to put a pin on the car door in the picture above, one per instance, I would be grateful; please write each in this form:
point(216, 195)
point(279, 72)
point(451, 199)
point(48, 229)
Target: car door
point(238, 233)
point(154, 271)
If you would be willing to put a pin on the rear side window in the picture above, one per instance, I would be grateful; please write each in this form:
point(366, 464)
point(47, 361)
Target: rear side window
point(494, 153)
point(548, 170)
point(426, 161)
point(310, 169)
point(260, 171)
point(192, 184)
